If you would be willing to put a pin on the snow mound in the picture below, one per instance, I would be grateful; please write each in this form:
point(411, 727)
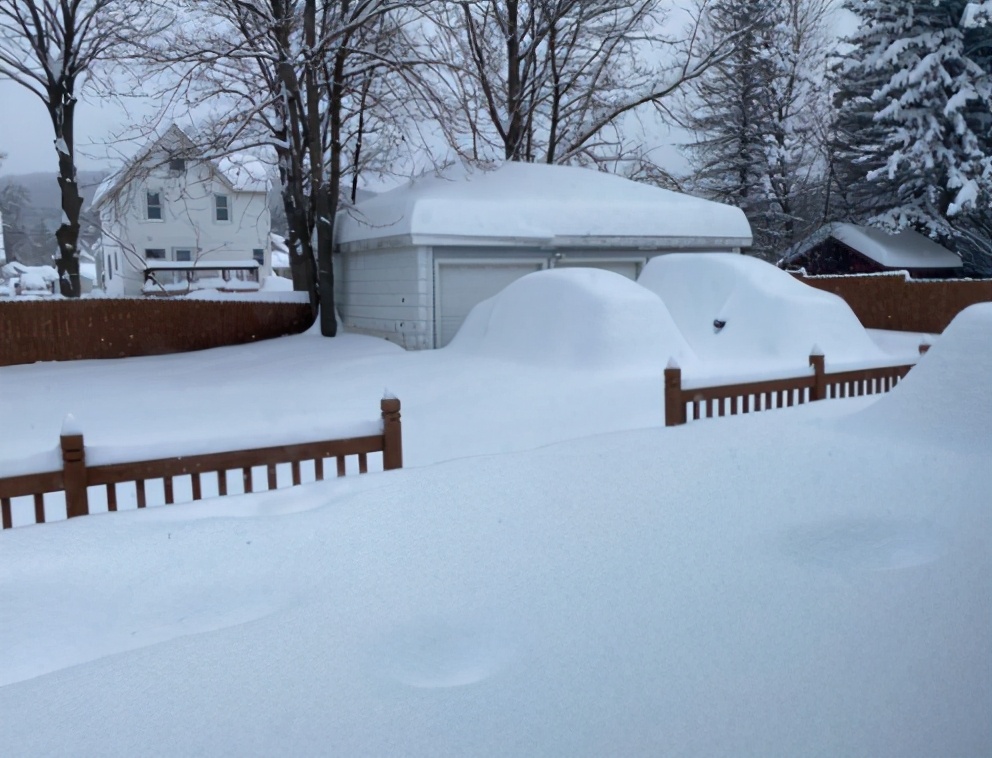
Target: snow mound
point(742, 309)
point(574, 318)
point(945, 398)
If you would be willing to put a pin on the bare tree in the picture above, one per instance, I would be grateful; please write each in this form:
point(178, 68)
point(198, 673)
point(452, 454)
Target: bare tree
point(553, 80)
point(50, 47)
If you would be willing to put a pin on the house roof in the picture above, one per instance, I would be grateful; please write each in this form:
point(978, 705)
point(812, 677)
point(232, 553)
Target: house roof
point(905, 250)
point(549, 205)
point(240, 172)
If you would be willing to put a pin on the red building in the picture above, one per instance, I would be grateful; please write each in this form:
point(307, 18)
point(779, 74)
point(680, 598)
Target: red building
point(840, 248)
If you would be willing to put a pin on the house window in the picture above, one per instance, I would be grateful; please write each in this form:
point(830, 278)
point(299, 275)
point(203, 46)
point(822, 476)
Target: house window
point(183, 254)
point(259, 255)
point(154, 254)
point(222, 208)
point(109, 261)
point(153, 206)
point(177, 165)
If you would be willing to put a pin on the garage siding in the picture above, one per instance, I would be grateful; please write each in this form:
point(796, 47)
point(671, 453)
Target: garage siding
point(388, 293)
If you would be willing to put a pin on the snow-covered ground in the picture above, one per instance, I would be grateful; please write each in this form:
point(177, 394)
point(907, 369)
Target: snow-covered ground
point(554, 573)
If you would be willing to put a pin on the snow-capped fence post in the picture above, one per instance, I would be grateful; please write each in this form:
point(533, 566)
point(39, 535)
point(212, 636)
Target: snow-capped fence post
point(819, 389)
point(74, 474)
point(392, 434)
point(674, 406)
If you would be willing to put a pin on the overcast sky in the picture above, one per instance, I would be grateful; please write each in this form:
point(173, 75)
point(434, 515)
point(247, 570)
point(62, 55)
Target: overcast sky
point(26, 133)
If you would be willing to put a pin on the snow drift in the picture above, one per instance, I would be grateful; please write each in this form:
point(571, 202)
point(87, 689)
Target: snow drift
point(945, 398)
point(767, 315)
point(576, 317)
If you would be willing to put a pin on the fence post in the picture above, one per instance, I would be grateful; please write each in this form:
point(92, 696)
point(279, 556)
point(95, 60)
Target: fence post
point(392, 434)
point(674, 407)
point(819, 388)
point(74, 475)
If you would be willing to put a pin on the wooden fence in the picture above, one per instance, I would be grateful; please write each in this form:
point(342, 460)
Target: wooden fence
point(683, 404)
point(65, 330)
point(893, 301)
point(75, 478)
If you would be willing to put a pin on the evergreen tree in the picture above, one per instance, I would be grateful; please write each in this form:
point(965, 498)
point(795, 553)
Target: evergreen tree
point(757, 120)
point(915, 122)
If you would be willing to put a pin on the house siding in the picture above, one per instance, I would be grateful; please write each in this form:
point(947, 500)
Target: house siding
point(389, 294)
point(188, 221)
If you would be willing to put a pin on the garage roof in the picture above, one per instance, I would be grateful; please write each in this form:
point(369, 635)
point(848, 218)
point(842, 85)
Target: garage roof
point(557, 206)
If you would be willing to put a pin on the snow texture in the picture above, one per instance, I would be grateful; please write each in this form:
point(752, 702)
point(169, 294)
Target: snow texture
point(583, 318)
point(811, 580)
point(549, 204)
point(771, 320)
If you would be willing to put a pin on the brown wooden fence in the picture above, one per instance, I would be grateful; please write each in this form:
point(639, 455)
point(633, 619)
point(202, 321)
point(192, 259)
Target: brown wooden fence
point(683, 404)
point(892, 301)
point(63, 330)
point(75, 478)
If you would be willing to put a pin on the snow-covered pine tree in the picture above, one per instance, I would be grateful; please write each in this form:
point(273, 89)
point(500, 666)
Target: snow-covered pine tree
point(915, 115)
point(756, 117)
point(728, 111)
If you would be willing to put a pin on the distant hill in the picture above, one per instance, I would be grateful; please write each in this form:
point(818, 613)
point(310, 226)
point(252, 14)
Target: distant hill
point(46, 198)
point(34, 241)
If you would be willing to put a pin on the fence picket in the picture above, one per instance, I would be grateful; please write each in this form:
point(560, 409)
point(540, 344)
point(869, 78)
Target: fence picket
point(777, 393)
point(76, 477)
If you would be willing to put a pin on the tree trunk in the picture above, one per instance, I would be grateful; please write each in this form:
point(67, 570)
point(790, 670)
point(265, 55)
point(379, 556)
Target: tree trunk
point(61, 109)
point(321, 191)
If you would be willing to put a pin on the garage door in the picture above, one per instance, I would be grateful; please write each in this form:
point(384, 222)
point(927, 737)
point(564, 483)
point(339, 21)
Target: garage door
point(460, 286)
point(630, 269)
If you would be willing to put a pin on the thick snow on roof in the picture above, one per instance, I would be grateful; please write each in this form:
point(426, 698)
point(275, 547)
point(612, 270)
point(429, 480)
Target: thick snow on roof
point(579, 317)
point(906, 249)
point(548, 204)
point(245, 173)
point(770, 318)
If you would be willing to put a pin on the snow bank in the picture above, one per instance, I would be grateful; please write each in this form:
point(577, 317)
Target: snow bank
point(770, 320)
point(946, 398)
point(574, 317)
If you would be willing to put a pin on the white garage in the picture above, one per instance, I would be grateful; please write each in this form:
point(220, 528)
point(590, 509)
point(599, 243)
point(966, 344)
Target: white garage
point(412, 262)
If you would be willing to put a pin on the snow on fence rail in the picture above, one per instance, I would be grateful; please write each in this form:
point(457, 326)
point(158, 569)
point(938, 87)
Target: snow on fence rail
point(207, 473)
point(685, 403)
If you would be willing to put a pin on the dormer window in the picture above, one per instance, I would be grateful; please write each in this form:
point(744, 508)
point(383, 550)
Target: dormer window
point(177, 165)
point(222, 208)
point(153, 206)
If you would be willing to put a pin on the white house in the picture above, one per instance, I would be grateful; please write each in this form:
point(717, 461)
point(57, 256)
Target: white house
point(412, 262)
point(172, 221)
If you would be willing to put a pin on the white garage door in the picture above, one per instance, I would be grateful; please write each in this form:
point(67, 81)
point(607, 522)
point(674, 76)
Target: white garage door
point(630, 269)
point(460, 286)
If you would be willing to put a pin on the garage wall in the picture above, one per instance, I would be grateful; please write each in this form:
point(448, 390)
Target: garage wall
point(388, 293)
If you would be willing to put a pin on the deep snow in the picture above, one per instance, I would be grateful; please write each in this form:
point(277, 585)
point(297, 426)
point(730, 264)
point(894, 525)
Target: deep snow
point(574, 580)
